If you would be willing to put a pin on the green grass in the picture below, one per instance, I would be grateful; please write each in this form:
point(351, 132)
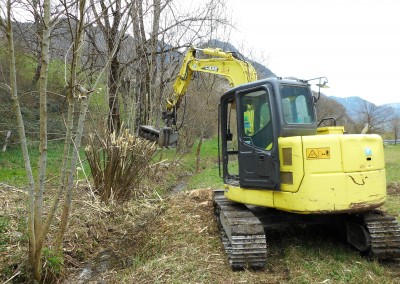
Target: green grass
point(315, 256)
point(392, 205)
point(54, 260)
point(392, 159)
point(12, 164)
point(208, 176)
point(13, 172)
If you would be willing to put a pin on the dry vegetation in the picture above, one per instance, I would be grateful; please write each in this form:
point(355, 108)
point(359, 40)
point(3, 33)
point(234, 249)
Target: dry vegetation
point(174, 239)
point(118, 163)
point(93, 229)
point(13, 239)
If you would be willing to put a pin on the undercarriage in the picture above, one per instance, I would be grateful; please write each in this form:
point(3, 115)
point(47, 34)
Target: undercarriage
point(244, 228)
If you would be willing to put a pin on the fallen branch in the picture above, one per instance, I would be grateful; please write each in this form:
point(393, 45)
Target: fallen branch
point(15, 275)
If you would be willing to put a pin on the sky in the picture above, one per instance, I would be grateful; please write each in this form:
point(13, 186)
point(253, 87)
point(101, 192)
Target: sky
point(355, 44)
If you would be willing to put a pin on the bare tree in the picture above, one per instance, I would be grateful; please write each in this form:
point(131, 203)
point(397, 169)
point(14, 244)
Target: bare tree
point(395, 127)
point(38, 227)
point(204, 106)
point(158, 48)
point(35, 193)
point(375, 116)
point(146, 50)
point(329, 108)
point(7, 27)
point(112, 19)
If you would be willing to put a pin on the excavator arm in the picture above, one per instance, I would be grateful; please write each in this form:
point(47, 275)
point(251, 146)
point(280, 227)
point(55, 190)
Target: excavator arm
point(227, 64)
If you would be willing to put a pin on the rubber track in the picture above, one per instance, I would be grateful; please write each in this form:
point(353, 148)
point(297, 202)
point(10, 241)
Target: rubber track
point(385, 235)
point(242, 234)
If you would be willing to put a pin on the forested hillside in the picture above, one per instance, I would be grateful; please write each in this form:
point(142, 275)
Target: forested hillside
point(131, 104)
point(382, 119)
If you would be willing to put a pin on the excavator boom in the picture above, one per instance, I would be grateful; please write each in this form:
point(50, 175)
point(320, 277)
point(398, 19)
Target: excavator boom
point(227, 64)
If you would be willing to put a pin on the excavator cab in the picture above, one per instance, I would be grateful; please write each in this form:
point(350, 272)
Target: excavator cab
point(253, 117)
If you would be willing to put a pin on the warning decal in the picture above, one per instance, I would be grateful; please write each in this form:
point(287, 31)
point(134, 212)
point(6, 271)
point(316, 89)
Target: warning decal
point(318, 153)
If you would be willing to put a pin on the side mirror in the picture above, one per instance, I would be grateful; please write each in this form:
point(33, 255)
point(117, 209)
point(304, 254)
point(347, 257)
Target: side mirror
point(321, 84)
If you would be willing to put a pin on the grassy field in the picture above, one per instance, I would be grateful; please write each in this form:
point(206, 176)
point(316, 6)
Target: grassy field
point(392, 159)
point(174, 238)
point(12, 165)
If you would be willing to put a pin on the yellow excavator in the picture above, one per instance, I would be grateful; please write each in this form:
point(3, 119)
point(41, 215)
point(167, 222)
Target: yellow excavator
point(230, 65)
point(280, 168)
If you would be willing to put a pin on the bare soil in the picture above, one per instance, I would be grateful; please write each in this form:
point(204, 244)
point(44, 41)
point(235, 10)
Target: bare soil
point(393, 189)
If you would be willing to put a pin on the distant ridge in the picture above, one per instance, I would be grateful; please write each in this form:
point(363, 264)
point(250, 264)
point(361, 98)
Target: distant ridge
point(262, 70)
point(353, 104)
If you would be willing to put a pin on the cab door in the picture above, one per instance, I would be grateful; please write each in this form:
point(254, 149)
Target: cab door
point(257, 139)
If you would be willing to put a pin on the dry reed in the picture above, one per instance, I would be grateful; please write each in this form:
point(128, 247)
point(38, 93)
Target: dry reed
point(118, 162)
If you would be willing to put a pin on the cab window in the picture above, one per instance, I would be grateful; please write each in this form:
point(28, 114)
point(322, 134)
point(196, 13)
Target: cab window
point(297, 105)
point(256, 115)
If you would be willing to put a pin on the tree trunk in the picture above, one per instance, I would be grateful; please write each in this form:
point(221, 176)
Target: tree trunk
point(21, 133)
point(39, 34)
point(6, 140)
point(114, 119)
point(43, 118)
point(142, 69)
point(113, 40)
point(43, 139)
point(153, 58)
point(68, 171)
point(72, 171)
point(198, 153)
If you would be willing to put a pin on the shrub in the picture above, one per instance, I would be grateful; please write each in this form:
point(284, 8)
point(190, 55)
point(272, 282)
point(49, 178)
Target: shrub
point(118, 162)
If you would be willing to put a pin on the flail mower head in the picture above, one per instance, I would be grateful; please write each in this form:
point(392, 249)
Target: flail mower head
point(166, 137)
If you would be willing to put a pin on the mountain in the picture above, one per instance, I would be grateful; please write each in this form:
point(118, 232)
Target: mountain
point(263, 71)
point(395, 106)
point(351, 104)
point(60, 46)
point(355, 106)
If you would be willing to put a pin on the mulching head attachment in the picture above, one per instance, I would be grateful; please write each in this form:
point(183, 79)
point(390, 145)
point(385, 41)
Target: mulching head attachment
point(166, 137)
